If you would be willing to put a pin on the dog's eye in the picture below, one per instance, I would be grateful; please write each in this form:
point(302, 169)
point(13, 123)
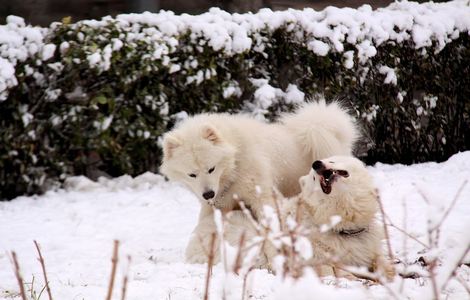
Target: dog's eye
point(211, 170)
point(192, 175)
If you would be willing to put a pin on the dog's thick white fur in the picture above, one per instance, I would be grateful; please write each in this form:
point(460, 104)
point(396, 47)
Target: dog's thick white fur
point(225, 158)
point(349, 199)
point(341, 186)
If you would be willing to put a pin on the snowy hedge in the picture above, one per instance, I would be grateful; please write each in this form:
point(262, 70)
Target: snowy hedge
point(94, 97)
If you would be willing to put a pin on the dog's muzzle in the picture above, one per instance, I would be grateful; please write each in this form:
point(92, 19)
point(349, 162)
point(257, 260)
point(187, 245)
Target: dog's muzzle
point(327, 176)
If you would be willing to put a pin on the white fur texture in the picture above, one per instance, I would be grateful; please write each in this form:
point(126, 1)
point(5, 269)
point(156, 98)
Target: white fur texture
point(239, 158)
point(354, 200)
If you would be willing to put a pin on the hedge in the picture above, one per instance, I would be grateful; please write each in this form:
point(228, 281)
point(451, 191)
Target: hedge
point(94, 97)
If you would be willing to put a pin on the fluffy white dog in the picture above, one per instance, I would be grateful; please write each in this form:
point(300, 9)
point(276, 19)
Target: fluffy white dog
point(226, 158)
point(338, 204)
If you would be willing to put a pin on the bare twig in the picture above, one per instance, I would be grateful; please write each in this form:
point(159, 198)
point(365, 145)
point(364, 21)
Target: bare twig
point(31, 290)
point(209, 265)
point(238, 261)
point(126, 279)
point(44, 273)
point(223, 248)
point(433, 240)
point(387, 236)
point(407, 234)
point(40, 293)
point(18, 275)
point(432, 276)
point(245, 278)
point(457, 264)
point(298, 207)
point(405, 248)
point(277, 207)
point(463, 283)
point(114, 261)
point(451, 206)
point(433, 264)
point(423, 195)
point(250, 217)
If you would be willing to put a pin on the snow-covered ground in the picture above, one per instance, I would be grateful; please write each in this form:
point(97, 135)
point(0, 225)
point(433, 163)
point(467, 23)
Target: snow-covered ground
point(153, 219)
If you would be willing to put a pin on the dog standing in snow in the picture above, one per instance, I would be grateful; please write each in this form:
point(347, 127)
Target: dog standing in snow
point(226, 158)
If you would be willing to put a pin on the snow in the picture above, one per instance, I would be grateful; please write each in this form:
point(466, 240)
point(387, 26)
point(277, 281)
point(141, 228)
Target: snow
point(398, 22)
point(17, 43)
point(233, 89)
point(64, 46)
point(48, 51)
point(390, 75)
point(293, 95)
point(365, 50)
point(15, 20)
point(7, 77)
point(153, 219)
point(319, 48)
point(322, 32)
point(348, 59)
point(309, 287)
point(266, 96)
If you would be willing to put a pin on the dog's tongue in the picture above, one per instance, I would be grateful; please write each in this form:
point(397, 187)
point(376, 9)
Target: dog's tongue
point(325, 186)
point(328, 177)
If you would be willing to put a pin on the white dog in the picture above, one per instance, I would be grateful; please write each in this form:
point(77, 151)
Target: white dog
point(225, 158)
point(339, 188)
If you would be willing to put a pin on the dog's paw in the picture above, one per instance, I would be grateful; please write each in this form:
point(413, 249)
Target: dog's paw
point(333, 271)
point(195, 254)
point(389, 271)
point(385, 268)
point(196, 257)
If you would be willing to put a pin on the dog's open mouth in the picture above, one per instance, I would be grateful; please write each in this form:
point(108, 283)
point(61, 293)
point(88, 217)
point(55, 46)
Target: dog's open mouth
point(328, 177)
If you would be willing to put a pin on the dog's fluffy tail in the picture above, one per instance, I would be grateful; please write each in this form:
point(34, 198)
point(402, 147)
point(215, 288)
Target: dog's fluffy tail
point(323, 129)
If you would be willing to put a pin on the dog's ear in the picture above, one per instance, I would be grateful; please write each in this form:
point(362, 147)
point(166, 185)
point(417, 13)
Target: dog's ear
point(210, 133)
point(170, 143)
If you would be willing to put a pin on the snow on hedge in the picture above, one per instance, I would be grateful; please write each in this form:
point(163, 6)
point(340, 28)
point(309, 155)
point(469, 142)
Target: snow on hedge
point(235, 33)
point(18, 42)
point(323, 31)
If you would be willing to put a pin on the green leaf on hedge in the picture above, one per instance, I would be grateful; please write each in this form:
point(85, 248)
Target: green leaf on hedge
point(101, 99)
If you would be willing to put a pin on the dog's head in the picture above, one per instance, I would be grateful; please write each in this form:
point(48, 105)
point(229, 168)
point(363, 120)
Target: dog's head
point(340, 185)
point(336, 175)
point(197, 155)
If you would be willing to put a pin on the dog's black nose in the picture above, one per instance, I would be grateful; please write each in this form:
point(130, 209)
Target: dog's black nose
point(317, 165)
point(208, 195)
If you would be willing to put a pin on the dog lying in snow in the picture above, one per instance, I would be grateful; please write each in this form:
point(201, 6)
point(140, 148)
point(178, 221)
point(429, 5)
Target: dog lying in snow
point(337, 206)
point(340, 192)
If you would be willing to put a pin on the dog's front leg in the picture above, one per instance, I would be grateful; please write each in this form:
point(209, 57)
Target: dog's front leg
point(198, 249)
point(384, 267)
point(265, 208)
